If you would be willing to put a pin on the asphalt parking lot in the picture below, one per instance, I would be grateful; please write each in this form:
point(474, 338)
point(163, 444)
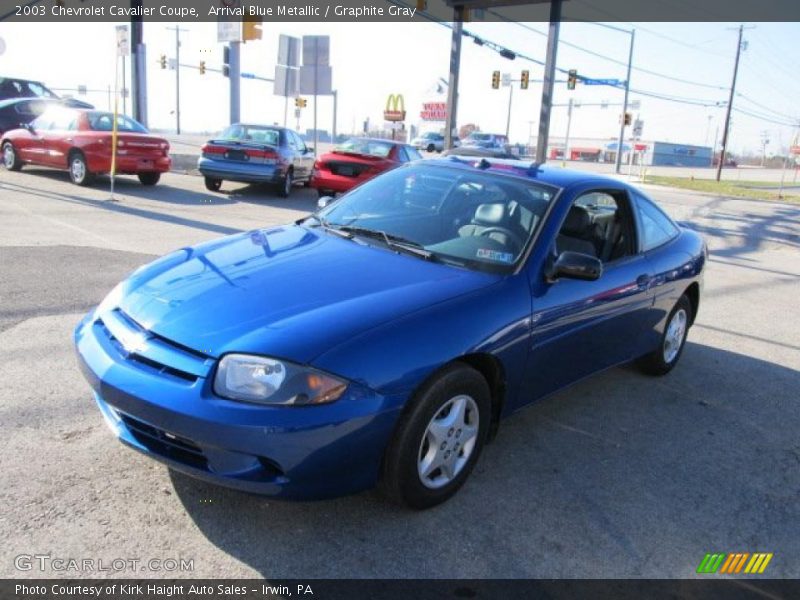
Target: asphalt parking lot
point(620, 476)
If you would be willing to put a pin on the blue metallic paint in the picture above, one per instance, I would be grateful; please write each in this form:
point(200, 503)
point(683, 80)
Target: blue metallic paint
point(385, 322)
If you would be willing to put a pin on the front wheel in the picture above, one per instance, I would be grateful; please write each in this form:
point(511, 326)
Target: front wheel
point(10, 159)
point(213, 184)
point(438, 441)
point(664, 358)
point(149, 178)
point(79, 171)
point(430, 148)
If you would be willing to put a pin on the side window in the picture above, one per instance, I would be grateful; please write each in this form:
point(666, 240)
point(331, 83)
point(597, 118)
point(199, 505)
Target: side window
point(657, 228)
point(600, 224)
point(298, 142)
point(412, 153)
point(290, 140)
point(402, 155)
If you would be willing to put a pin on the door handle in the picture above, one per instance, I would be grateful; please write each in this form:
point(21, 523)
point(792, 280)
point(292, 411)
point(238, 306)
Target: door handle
point(643, 280)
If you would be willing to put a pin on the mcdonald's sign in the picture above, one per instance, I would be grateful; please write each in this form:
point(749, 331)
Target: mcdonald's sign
point(395, 110)
point(734, 563)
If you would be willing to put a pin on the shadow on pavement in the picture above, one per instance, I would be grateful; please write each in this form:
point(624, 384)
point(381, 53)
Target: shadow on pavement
point(623, 475)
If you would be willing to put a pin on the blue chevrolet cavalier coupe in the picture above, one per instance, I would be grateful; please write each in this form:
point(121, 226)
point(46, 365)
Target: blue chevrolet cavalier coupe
point(382, 339)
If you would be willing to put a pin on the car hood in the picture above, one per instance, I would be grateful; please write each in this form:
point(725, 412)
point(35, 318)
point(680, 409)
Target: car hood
point(292, 292)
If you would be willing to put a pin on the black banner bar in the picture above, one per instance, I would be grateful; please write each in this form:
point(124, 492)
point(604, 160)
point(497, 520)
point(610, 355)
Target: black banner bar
point(188, 11)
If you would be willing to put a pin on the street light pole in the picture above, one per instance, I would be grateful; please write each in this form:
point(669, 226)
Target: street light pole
point(177, 77)
point(452, 85)
point(618, 163)
point(726, 127)
point(510, 99)
point(549, 81)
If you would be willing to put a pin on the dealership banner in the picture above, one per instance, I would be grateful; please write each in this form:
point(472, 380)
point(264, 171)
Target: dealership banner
point(393, 10)
point(405, 589)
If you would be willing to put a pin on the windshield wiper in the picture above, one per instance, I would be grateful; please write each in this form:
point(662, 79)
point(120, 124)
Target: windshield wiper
point(392, 241)
point(327, 226)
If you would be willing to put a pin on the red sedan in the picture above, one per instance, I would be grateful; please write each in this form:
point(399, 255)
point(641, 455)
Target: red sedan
point(356, 161)
point(79, 141)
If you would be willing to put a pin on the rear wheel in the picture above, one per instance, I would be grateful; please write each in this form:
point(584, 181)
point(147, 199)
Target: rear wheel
point(10, 159)
point(213, 184)
point(664, 358)
point(430, 148)
point(149, 178)
point(286, 187)
point(438, 441)
point(79, 171)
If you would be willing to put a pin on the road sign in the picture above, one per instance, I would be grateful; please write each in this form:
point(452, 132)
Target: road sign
point(247, 75)
point(285, 81)
point(229, 31)
point(316, 79)
point(123, 42)
point(506, 81)
point(635, 104)
point(587, 81)
point(316, 50)
point(172, 64)
point(288, 51)
point(638, 126)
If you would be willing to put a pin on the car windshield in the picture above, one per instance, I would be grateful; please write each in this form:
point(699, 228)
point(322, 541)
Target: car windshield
point(468, 218)
point(480, 137)
point(366, 147)
point(103, 121)
point(20, 88)
point(251, 133)
point(431, 136)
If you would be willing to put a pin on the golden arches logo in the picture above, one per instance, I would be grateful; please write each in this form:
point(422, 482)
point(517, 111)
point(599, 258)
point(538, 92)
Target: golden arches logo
point(395, 108)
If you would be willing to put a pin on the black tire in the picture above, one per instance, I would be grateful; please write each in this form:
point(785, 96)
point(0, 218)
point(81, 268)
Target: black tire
point(401, 480)
point(149, 178)
point(213, 184)
point(663, 359)
point(285, 187)
point(79, 171)
point(11, 160)
point(430, 148)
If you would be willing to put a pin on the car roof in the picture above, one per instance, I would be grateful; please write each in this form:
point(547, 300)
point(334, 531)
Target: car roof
point(373, 139)
point(12, 101)
point(525, 169)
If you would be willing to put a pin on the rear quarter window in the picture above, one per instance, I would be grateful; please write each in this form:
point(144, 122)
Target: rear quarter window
point(656, 227)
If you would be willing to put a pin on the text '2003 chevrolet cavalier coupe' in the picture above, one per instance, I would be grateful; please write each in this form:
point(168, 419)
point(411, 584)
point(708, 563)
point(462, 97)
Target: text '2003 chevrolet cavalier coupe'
point(382, 339)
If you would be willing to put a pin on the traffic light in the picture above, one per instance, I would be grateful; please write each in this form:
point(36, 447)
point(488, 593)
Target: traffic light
point(572, 79)
point(163, 61)
point(495, 80)
point(627, 119)
point(523, 80)
point(202, 67)
point(300, 102)
point(251, 28)
point(226, 60)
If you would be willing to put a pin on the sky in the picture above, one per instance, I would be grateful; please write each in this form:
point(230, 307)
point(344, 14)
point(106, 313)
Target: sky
point(692, 61)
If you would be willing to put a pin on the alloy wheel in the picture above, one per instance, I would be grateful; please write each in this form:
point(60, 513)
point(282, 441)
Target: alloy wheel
point(8, 157)
point(674, 336)
point(448, 442)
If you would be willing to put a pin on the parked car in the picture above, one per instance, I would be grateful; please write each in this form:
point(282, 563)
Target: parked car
point(430, 142)
point(382, 339)
point(80, 141)
point(18, 112)
point(480, 151)
point(486, 140)
point(13, 88)
point(356, 161)
point(256, 154)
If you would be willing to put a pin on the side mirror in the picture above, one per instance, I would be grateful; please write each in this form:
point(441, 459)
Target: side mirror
point(575, 265)
point(324, 201)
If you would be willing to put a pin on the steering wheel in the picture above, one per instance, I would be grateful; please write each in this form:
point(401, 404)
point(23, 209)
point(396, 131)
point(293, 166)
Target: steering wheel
point(513, 237)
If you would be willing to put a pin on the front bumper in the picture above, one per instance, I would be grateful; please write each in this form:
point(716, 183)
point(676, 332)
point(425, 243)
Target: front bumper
point(241, 171)
point(310, 452)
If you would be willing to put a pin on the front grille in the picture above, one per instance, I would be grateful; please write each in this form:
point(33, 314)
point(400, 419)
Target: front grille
point(165, 444)
point(149, 347)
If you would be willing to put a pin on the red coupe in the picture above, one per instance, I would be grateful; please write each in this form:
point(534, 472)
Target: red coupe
point(356, 161)
point(79, 141)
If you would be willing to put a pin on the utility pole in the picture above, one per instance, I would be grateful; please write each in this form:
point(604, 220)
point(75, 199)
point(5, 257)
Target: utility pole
point(549, 81)
point(510, 99)
point(177, 77)
point(138, 67)
point(726, 128)
point(569, 125)
point(335, 102)
point(451, 121)
point(621, 139)
point(235, 75)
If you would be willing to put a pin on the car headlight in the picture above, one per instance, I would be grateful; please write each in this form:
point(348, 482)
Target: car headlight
point(270, 381)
